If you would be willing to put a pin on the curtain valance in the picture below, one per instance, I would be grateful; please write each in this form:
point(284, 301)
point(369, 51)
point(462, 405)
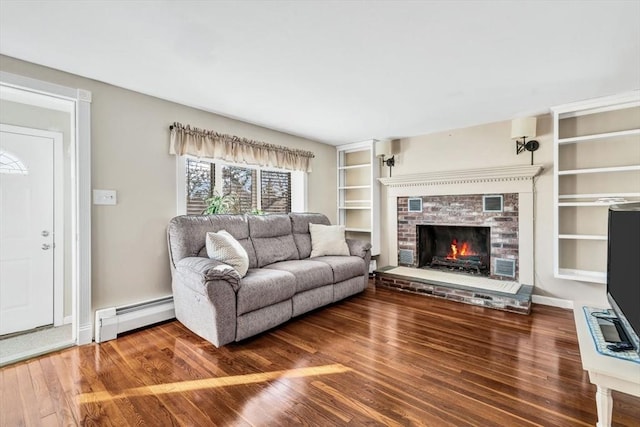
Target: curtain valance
point(214, 145)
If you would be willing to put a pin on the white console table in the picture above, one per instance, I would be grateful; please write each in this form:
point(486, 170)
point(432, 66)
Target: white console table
point(607, 373)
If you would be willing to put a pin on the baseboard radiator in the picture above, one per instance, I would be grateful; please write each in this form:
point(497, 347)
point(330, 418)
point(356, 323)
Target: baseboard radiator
point(115, 320)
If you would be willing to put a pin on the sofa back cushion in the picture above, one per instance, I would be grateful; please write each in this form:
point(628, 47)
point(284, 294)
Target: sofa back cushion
point(300, 225)
point(187, 235)
point(223, 247)
point(272, 238)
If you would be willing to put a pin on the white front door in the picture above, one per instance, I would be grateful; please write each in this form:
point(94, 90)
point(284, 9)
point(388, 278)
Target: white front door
point(26, 229)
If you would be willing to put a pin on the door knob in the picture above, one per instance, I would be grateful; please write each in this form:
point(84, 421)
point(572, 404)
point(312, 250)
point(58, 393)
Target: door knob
point(46, 246)
point(44, 233)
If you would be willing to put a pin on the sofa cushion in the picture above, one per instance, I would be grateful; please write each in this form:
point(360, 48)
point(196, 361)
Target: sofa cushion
point(262, 287)
point(222, 247)
point(257, 321)
point(344, 267)
point(300, 226)
point(238, 227)
point(309, 274)
point(348, 287)
point(187, 235)
point(312, 299)
point(272, 238)
point(328, 240)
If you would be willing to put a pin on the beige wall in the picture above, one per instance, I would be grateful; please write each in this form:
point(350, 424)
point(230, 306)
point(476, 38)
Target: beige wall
point(130, 144)
point(487, 146)
point(130, 141)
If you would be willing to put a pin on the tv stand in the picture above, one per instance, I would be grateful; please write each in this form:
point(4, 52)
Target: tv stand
point(605, 372)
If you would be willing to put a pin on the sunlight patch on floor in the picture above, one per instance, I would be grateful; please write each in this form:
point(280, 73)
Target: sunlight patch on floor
point(179, 387)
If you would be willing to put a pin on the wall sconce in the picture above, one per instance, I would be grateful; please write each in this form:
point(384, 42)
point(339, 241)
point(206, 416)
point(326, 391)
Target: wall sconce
point(524, 127)
point(383, 149)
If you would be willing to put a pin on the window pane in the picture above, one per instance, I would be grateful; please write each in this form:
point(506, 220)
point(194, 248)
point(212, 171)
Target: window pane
point(200, 181)
point(240, 183)
point(276, 191)
point(12, 164)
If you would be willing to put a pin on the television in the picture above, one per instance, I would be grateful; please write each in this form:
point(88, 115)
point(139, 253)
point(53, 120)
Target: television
point(623, 270)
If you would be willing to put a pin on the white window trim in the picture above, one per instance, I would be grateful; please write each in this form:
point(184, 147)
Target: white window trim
point(298, 183)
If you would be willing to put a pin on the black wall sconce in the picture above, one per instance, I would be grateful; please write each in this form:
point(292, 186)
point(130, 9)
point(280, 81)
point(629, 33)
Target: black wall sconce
point(524, 127)
point(383, 149)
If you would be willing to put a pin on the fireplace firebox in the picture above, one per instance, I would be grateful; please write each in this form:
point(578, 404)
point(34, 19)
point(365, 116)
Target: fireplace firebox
point(464, 249)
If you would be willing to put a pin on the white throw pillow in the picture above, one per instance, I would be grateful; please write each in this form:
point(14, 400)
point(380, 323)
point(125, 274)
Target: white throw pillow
point(223, 247)
point(328, 240)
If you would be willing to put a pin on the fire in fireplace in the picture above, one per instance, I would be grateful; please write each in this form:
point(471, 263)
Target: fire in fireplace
point(460, 248)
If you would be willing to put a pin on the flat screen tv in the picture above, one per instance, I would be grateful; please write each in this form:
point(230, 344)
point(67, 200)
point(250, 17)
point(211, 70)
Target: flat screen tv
point(623, 269)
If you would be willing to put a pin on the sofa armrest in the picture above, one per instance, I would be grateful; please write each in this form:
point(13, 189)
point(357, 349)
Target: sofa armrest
point(358, 247)
point(204, 295)
point(202, 270)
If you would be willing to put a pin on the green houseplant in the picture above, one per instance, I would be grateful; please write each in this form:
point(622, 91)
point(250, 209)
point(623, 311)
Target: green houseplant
point(218, 204)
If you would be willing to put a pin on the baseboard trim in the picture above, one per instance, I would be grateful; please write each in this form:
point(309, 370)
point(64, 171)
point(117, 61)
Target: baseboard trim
point(67, 319)
point(550, 301)
point(85, 334)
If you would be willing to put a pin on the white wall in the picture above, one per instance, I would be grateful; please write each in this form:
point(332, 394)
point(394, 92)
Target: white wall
point(130, 145)
point(487, 146)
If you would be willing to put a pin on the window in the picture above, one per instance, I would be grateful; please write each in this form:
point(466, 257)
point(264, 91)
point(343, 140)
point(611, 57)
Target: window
point(253, 188)
point(241, 184)
point(11, 164)
point(200, 181)
point(275, 191)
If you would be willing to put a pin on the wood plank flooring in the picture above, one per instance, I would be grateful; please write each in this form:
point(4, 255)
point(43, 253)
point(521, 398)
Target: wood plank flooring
point(378, 358)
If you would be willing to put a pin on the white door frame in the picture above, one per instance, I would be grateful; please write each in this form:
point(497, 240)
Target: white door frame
point(81, 191)
point(58, 213)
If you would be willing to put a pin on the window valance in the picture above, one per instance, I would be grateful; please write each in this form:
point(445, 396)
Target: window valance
point(214, 145)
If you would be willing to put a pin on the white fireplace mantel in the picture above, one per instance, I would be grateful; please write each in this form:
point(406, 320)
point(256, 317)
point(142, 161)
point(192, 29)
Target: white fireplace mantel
point(465, 176)
point(506, 179)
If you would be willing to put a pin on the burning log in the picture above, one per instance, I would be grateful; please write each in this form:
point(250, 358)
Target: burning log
point(461, 262)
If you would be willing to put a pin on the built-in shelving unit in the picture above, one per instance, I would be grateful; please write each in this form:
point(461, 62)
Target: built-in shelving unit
point(597, 164)
point(358, 192)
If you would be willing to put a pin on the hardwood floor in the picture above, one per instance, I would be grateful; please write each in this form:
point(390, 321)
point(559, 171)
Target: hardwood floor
point(379, 358)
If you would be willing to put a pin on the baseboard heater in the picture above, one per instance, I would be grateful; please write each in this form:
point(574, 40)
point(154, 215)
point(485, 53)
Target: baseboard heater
point(115, 320)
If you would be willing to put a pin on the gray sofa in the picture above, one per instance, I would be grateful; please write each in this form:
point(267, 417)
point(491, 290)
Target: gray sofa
point(282, 281)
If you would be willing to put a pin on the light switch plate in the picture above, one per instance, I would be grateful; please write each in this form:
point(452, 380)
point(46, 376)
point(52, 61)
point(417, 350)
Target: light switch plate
point(104, 197)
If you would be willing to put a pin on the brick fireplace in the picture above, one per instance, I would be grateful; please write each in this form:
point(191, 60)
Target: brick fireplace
point(456, 233)
point(456, 198)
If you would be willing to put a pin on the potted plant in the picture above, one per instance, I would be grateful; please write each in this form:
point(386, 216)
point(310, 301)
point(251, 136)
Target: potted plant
point(218, 204)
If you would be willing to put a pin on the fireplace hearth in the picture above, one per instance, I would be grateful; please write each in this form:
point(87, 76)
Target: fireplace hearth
point(464, 249)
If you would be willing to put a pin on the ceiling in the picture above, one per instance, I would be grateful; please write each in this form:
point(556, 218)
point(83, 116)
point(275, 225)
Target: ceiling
point(341, 71)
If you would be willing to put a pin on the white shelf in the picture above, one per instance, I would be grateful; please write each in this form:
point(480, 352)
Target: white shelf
point(358, 230)
point(597, 196)
point(359, 191)
point(577, 139)
point(364, 165)
point(603, 204)
point(582, 275)
point(354, 187)
point(598, 105)
point(582, 237)
point(606, 119)
point(600, 170)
